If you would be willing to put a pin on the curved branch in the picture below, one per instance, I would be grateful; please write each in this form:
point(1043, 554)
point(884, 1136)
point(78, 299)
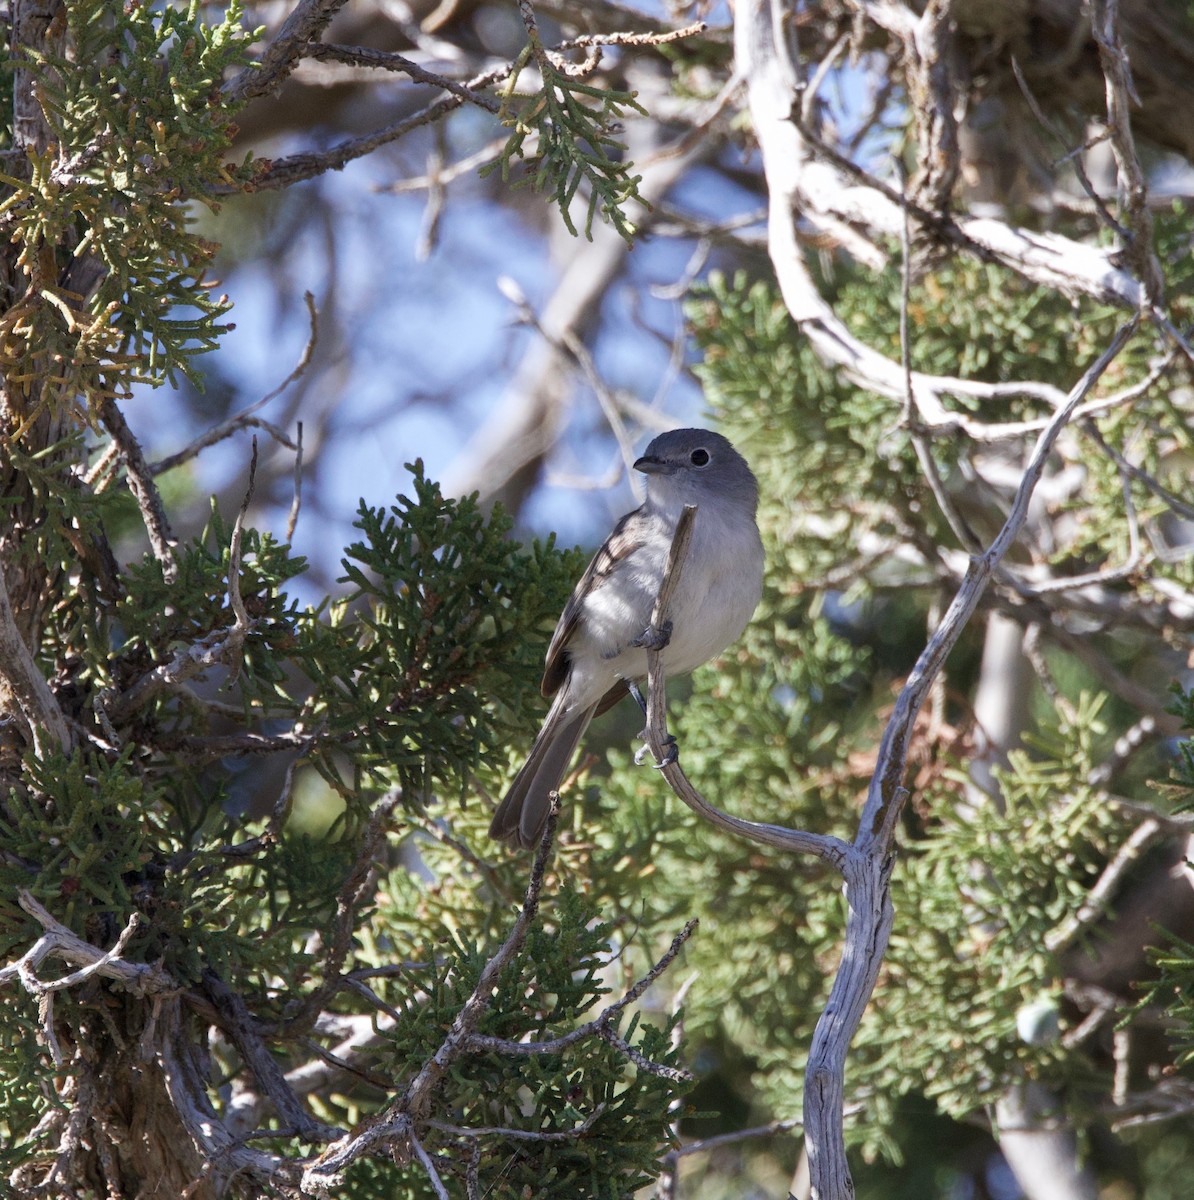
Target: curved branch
point(828, 849)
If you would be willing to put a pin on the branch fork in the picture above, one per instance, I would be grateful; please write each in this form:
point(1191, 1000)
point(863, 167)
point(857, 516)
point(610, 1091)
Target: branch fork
point(866, 863)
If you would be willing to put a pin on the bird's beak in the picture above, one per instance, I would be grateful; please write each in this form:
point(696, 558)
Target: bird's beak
point(649, 465)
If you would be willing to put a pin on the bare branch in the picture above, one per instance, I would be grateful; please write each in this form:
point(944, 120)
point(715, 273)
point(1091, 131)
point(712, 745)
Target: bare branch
point(527, 1135)
point(830, 850)
point(432, 1174)
point(304, 25)
point(216, 648)
point(235, 600)
point(247, 417)
point(141, 484)
point(242, 1028)
point(58, 941)
point(794, 184)
point(601, 1026)
point(1074, 156)
point(876, 826)
point(352, 894)
point(1097, 900)
point(366, 56)
point(568, 343)
point(25, 695)
point(296, 167)
point(1104, 25)
point(297, 503)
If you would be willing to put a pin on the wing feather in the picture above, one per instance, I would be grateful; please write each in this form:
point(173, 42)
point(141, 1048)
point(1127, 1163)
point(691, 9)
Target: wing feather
point(627, 536)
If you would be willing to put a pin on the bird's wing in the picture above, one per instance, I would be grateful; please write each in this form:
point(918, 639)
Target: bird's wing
point(627, 536)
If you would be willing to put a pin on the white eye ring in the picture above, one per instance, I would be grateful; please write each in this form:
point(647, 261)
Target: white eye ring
point(699, 457)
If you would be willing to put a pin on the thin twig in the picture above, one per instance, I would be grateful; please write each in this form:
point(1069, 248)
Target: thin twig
point(248, 417)
point(140, 481)
point(1075, 156)
point(393, 1127)
point(704, 1145)
point(567, 342)
point(1175, 502)
point(528, 1135)
point(353, 892)
point(924, 453)
point(432, 1174)
point(602, 1025)
point(1095, 904)
point(296, 167)
point(297, 502)
point(235, 599)
point(384, 60)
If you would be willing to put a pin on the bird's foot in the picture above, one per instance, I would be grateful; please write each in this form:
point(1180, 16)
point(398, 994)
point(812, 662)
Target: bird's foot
point(670, 755)
point(653, 638)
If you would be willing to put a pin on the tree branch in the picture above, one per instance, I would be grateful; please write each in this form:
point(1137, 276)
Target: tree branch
point(305, 24)
point(141, 484)
point(828, 849)
point(25, 695)
point(394, 1126)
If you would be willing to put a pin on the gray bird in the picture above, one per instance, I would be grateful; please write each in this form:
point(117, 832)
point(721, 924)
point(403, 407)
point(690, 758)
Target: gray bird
point(592, 659)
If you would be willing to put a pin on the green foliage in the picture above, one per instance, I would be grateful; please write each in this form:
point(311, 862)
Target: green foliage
point(423, 663)
point(1173, 960)
point(1173, 991)
point(558, 982)
point(979, 895)
point(129, 154)
point(1182, 786)
point(403, 680)
point(573, 124)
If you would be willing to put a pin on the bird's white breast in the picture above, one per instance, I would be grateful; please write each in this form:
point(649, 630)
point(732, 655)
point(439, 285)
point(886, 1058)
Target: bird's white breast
point(717, 593)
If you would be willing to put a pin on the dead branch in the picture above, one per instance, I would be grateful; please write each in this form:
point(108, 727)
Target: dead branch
point(243, 1030)
point(383, 60)
point(1117, 73)
point(296, 167)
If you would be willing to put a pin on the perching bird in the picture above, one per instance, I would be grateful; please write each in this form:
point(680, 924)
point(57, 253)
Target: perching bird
point(592, 659)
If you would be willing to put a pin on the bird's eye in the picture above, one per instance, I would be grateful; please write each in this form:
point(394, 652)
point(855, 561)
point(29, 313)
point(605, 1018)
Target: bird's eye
point(699, 458)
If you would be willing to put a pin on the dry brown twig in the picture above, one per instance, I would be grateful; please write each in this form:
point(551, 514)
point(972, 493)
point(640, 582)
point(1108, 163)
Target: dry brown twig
point(139, 476)
point(247, 418)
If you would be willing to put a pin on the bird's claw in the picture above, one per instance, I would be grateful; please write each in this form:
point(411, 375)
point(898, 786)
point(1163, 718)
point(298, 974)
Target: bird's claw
point(653, 638)
point(670, 755)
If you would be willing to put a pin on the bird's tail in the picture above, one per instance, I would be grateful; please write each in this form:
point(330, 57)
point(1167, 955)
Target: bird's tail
point(523, 811)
